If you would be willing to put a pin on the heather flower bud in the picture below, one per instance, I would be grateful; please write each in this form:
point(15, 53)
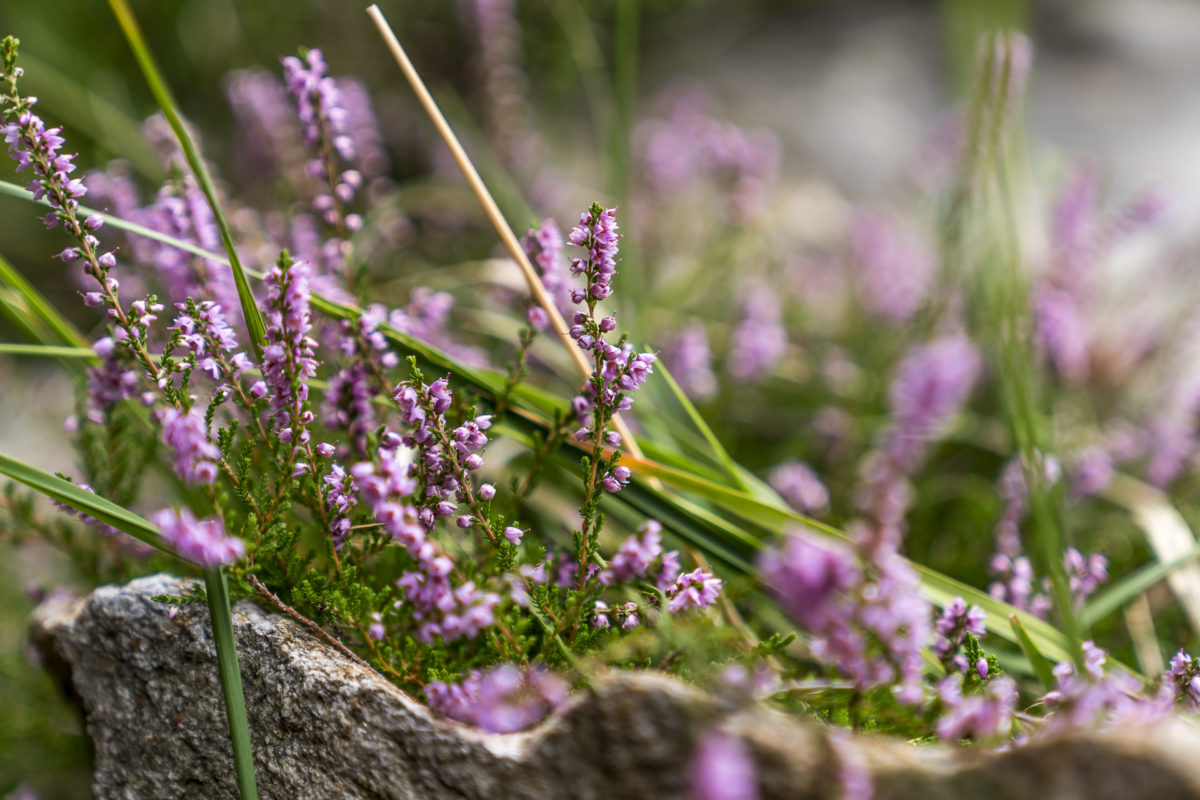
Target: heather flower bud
point(487, 491)
point(513, 534)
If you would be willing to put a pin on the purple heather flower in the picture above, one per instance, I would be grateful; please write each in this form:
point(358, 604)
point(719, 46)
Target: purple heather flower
point(953, 624)
point(544, 246)
point(690, 361)
point(894, 267)
point(363, 128)
point(635, 556)
point(825, 589)
point(289, 359)
point(693, 590)
point(348, 405)
point(501, 700)
point(348, 401)
point(800, 487)
point(1095, 700)
point(195, 455)
point(1063, 332)
point(979, 716)
point(812, 581)
point(202, 330)
point(513, 534)
point(110, 382)
point(722, 769)
point(340, 500)
point(931, 384)
point(203, 542)
point(1183, 677)
point(759, 340)
point(687, 142)
point(267, 122)
point(504, 92)
point(318, 102)
point(1091, 473)
point(598, 234)
point(124, 540)
point(1085, 574)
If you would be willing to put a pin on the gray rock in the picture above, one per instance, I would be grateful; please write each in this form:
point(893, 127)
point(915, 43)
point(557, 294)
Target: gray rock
point(324, 726)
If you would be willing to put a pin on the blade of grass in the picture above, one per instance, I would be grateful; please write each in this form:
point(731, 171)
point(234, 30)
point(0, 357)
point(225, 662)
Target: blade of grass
point(719, 453)
point(1131, 586)
point(40, 307)
point(625, 91)
point(21, 193)
point(17, 312)
point(1037, 662)
point(166, 103)
point(47, 350)
point(82, 500)
point(1168, 534)
point(216, 587)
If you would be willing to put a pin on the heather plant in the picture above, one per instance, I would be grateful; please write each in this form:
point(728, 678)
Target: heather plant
point(459, 489)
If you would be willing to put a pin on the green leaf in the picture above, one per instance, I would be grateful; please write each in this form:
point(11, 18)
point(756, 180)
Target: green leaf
point(91, 504)
point(47, 351)
point(1121, 592)
point(719, 454)
point(221, 614)
point(41, 308)
point(1037, 662)
point(166, 103)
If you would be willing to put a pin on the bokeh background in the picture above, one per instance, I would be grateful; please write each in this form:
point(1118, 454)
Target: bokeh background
point(854, 92)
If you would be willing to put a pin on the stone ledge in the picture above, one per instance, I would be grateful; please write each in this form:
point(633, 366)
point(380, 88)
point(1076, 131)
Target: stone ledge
point(325, 727)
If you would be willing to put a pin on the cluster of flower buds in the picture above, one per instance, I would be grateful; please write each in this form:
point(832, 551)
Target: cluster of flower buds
point(952, 627)
point(444, 456)
point(289, 358)
point(195, 456)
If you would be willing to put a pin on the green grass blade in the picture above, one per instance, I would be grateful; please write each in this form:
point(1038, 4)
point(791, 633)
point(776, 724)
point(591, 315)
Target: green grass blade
point(221, 612)
point(1037, 662)
point(40, 307)
point(21, 193)
point(91, 504)
point(1118, 594)
point(162, 95)
point(719, 453)
point(47, 350)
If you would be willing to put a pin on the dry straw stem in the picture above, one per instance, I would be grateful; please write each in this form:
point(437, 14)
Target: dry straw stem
point(493, 212)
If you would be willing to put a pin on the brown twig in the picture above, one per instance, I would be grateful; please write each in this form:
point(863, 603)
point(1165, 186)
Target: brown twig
point(316, 629)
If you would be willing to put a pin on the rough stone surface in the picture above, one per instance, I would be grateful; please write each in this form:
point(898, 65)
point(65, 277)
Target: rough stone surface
point(325, 727)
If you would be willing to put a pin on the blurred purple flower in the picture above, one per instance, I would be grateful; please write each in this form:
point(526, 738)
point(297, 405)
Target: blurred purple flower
point(722, 769)
point(800, 487)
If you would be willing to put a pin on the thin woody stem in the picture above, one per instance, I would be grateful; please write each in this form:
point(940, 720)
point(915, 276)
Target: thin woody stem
point(507, 237)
